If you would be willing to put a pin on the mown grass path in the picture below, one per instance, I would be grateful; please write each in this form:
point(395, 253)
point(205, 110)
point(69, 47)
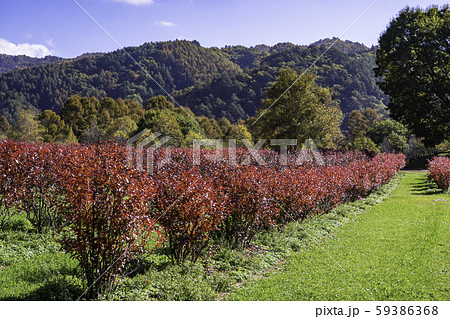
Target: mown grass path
point(398, 250)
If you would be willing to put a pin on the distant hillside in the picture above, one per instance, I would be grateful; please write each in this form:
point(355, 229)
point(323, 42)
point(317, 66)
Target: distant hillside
point(17, 62)
point(343, 46)
point(213, 82)
point(346, 68)
point(174, 65)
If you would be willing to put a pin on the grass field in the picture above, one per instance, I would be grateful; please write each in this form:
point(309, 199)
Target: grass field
point(33, 268)
point(398, 250)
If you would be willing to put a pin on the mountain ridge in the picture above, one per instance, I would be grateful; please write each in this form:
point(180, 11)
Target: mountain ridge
point(214, 82)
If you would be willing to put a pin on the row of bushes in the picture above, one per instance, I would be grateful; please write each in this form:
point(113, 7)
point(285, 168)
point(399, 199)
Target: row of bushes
point(103, 211)
point(439, 172)
point(235, 202)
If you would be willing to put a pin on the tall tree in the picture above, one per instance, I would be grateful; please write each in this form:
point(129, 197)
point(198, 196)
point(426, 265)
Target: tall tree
point(210, 127)
point(80, 112)
point(238, 132)
point(298, 108)
point(168, 126)
point(53, 128)
point(158, 103)
point(358, 124)
point(135, 110)
point(225, 125)
point(5, 127)
point(27, 128)
point(414, 62)
point(371, 116)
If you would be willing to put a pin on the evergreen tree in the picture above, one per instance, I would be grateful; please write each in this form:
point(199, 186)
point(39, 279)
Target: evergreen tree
point(53, 128)
point(224, 125)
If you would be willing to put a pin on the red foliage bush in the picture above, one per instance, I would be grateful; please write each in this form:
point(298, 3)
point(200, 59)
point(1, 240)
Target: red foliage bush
point(30, 181)
point(254, 197)
point(190, 209)
point(439, 172)
point(10, 163)
point(105, 212)
point(248, 201)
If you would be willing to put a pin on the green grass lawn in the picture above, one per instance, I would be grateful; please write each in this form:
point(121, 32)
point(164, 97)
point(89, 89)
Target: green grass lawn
point(32, 267)
point(398, 250)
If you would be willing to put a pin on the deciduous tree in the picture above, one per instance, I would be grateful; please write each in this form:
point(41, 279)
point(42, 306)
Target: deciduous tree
point(414, 62)
point(298, 108)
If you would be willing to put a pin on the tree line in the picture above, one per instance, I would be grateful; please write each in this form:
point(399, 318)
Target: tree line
point(308, 111)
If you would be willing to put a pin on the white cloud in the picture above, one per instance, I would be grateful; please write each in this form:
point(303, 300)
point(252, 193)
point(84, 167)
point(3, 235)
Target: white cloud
point(33, 50)
point(165, 24)
point(137, 2)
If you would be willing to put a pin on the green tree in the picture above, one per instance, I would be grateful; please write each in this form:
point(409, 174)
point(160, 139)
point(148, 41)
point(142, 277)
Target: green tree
point(79, 113)
point(53, 128)
point(158, 103)
point(413, 60)
point(27, 128)
point(72, 113)
point(91, 108)
point(122, 106)
point(210, 127)
point(238, 132)
point(167, 125)
point(5, 127)
point(383, 128)
point(190, 137)
point(135, 110)
point(394, 142)
point(390, 134)
point(186, 120)
point(112, 107)
point(104, 119)
point(71, 138)
point(363, 143)
point(92, 135)
point(121, 128)
point(358, 125)
point(298, 108)
point(371, 116)
point(225, 125)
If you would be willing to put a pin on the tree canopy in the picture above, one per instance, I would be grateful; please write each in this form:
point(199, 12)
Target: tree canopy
point(298, 108)
point(413, 61)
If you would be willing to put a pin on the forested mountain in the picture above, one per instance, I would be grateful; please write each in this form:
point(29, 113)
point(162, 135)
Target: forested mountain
point(212, 82)
point(18, 62)
point(238, 95)
point(343, 46)
point(15, 62)
point(174, 65)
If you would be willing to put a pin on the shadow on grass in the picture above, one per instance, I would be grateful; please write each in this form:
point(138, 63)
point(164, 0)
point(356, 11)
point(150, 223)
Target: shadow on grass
point(425, 187)
point(58, 289)
point(159, 261)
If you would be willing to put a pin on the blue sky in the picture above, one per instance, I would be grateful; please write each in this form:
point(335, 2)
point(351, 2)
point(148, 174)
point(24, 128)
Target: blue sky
point(62, 28)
